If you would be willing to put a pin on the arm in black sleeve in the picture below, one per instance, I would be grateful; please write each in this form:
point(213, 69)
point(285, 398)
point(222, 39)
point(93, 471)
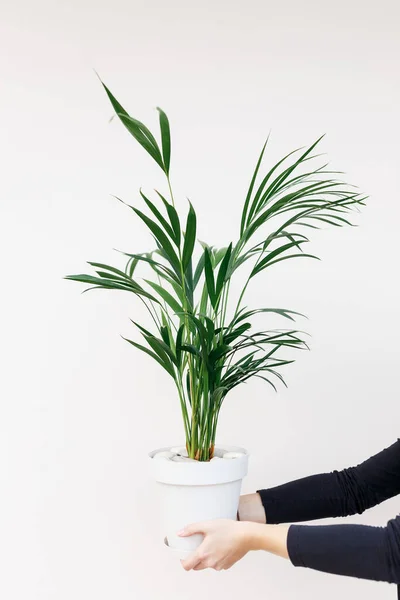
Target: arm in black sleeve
point(354, 550)
point(336, 494)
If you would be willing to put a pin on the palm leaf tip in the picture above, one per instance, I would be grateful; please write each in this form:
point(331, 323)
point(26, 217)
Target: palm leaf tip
point(190, 237)
point(137, 129)
point(165, 139)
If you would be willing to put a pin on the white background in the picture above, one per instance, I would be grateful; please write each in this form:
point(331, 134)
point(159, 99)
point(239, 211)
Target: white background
point(80, 408)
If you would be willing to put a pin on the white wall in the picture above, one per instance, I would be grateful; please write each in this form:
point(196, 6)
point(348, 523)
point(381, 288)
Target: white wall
point(80, 408)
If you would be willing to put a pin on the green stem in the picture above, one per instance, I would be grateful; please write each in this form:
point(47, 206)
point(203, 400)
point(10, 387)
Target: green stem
point(183, 407)
point(205, 407)
point(225, 297)
point(190, 441)
point(170, 191)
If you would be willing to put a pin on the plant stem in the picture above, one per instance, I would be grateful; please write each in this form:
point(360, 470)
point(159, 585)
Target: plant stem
point(170, 191)
point(187, 331)
point(183, 407)
point(225, 297)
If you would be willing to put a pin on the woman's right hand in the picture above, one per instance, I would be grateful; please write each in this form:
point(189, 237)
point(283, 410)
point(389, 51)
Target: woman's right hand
point(251, 508)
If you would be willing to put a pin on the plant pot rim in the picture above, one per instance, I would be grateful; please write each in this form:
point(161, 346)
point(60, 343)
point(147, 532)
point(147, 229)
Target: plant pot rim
point(199, 472)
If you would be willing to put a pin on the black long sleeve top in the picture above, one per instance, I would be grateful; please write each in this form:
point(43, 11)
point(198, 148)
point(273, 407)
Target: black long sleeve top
point(355, 550)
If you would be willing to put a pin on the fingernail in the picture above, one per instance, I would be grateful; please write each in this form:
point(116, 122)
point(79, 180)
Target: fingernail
point(181, 532)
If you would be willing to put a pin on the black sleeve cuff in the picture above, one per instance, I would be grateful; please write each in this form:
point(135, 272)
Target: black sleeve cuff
point(294, 546)
point(354, 550)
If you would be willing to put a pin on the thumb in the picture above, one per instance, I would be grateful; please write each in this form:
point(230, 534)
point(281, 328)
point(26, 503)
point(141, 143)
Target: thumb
point(192, 529)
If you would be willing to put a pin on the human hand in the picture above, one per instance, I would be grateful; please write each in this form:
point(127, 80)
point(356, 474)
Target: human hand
point(225, 542)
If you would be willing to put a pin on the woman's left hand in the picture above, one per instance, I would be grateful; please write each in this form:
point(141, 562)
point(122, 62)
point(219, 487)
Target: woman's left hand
point(225, 542)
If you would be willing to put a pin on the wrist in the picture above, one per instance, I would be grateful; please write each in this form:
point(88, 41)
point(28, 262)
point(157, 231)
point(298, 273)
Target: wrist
point(253, 535)
point(271, 538)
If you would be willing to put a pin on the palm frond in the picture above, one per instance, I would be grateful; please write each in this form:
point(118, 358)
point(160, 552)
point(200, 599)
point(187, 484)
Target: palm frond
point(186, 289)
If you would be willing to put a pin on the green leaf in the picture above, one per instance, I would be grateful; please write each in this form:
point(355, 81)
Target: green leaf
point(283, 312)
point(188, 387)
point(223, 270)
point(198, 271)
point(108, 284)
point(137, 129)
point(166, 365)
point(328, 221)
point(165, 335)
point(190, 237)
point(208, 269)
point(191, 349)
point(109, 275)
point(165, 139)
point(153, 263)
point(217, 353)
point(250, 190)
point(271, 255)
point(162, 239)
point(178, 345)
point(267, 380)
point(112, 284)
point(94, 287)
point(203, 334)
point(159, 216)
point(229, 337)
point(218, 395)
point(285, 174)
point(141, 328)
point(302, 254)
point(161, 348)
point(218, 254)
point(165, 295)
point(242, 258)
point(202, 306)
point(142, 135)
point(299, 198)
point(119, 109)
point(173, 217)
point(111, 269)
point(131, 266)
point(210, 330)
point(259, 199)
point(189, 283)
point(177, 289)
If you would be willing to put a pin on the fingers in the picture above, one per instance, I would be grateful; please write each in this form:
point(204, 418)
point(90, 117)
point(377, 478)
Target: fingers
point(204, 564)
point(202, 559)
point(193, 561)
point(200, 527)
point(200, 566)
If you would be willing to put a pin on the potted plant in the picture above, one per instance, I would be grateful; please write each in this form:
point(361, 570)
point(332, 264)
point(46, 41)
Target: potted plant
point(206, 345)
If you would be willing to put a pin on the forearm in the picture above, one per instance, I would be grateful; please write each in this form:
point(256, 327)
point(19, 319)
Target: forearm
point(306, 499)
point(251, 509)
point(335, 494)
point(310, 498)
point(353, 550)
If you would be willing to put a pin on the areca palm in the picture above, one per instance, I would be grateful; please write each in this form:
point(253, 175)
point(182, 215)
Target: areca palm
point(205, 351)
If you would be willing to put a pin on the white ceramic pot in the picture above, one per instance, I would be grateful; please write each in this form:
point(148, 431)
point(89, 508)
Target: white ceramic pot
point(195, 491)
